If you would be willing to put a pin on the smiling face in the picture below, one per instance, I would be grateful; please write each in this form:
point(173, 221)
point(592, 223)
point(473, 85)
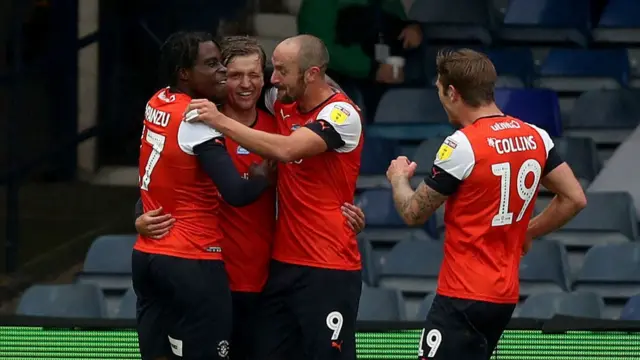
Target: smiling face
point(208, 77)
point(245, 81)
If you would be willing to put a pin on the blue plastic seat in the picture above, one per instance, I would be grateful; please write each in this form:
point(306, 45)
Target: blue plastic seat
point(410, 106)
point(425, 154)
point(513, 65)
point(377, 153)
point(619, 22)
point(65, 301)
point(545, 268)
point(127, 307)
point(547, 305)
point(613, 271)
point(555, 21)
point(409, 132)
point(609, 218)
point(369, 264)
point(577, 70)
point(412, 265)
point(535, 106)
point(631, 310)
point(108, 263)
point(377, 304)
point(444, 20)
point(423, 311)
point(581, 154)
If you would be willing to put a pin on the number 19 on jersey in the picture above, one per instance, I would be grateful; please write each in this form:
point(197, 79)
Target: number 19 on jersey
point(526, 193)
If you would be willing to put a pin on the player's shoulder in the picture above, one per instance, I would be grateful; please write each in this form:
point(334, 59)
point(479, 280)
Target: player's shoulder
point(456, 146)
point(168, 100)
point(339, 111)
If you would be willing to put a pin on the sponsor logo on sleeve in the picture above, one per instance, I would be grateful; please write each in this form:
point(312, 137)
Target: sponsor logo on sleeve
point(339, 115)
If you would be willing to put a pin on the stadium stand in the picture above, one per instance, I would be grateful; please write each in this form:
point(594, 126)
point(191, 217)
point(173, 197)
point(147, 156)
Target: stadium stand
point(584, 97)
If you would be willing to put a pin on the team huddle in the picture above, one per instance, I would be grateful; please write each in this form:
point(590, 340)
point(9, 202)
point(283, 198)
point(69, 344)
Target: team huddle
point(247, 230)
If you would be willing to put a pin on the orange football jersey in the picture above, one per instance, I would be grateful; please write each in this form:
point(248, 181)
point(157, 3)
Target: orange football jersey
point(249, 230)
point(171, 178)
point(499, 161)
point(311, 229)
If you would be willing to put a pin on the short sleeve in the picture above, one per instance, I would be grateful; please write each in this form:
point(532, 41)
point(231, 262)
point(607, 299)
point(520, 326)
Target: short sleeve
point(456, 156)
point(548, 142)
point(345, 120)
point(270, 96)
point(193, 134)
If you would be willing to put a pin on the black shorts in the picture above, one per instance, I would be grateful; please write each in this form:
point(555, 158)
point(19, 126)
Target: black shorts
point(245, 305)
point(308, 313)
point(183, 307)
point(463, 329)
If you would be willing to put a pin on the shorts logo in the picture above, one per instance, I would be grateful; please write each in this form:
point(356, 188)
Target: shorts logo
point(176, 346)
point(223, 349)
point(339, 115)
point(242, 151)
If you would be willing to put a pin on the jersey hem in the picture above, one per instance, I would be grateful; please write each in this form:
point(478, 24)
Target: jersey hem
point(476, 297)
point(318, 264)
point(210, 256)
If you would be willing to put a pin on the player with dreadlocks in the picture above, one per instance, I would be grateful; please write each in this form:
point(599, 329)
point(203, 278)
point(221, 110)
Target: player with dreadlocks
point(184, 301)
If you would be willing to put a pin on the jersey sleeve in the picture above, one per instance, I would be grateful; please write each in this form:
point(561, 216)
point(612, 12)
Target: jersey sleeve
point(339, 124)
point(193, 134)
point(270, 96)
point(553, 158)
point(454, 162)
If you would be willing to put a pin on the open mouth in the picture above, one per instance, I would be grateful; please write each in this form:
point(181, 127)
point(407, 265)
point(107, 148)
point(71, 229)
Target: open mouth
point(245, 94)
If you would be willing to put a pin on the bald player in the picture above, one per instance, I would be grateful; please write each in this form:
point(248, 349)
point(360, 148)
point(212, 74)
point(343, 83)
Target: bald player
point(311, 296)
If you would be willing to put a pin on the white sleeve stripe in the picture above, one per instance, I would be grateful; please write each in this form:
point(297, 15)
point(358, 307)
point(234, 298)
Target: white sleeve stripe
point(548, 142)
point(345, 119)
point(191, 135)
point(456, 156)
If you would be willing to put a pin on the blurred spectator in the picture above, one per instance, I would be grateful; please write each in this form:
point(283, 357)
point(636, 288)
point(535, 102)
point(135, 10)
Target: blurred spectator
point(360, 35)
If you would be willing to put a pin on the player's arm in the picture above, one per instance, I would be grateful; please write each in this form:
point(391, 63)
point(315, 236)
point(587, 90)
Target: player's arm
point(454, 163)
point(569, 197)
point(208, 146)
point(337, 127)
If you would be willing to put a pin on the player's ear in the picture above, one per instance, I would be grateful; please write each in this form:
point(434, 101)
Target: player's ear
point(183, 74)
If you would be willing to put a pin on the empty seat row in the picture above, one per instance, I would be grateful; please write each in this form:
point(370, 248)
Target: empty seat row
point(560, 21)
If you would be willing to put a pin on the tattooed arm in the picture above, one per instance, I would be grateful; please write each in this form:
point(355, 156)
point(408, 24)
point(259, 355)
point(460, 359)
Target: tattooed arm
point(415, 207)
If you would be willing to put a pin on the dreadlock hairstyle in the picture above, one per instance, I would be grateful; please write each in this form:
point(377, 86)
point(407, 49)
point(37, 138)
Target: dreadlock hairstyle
point(180, 51)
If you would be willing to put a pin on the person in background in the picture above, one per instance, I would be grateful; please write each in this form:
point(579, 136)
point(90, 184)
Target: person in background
point(357, 57)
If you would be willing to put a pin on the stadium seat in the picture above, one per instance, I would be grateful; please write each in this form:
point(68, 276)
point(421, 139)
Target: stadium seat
point(631, 310)
point(619, 22)
point(108, 262)
point(409, 132)
point(425, 154)
point(127, 306)
point(609, 218)
point(514, 66)
point(410, 106)
point(547, 21)
point(443, 20)
point(547, 305)
point(536, 106)
point(377, 304)
point(277, 26)
point(380, 212)
point(578, 70)
point(377, 153)
point(423, 310)
point(383, 240)
point(369, 262)
point(545, 268)
point(606, 116)
point(64, 301)
point(613, 270)
point(581, 154)
point(412, 266)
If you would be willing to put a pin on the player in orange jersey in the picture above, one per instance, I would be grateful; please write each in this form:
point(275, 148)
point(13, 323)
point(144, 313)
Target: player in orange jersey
point(488, 173)
point(249, 230)
point(312, 293)
point(184, 302)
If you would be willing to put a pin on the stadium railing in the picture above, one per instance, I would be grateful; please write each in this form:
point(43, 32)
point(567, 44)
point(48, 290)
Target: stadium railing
point(559, 338)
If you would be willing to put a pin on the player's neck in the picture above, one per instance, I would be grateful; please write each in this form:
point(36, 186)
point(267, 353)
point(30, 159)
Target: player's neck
point(474, 114)
point(245, 117)
point(315, 96)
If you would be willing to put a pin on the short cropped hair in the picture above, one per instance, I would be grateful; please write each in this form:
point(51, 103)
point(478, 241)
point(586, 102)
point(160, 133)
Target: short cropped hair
point(234, 46)
point(313, 52)
point(470, 72)
point(180, 51)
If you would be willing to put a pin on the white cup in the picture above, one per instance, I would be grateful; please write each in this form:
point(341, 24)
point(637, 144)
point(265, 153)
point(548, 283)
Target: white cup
point(397, 62)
